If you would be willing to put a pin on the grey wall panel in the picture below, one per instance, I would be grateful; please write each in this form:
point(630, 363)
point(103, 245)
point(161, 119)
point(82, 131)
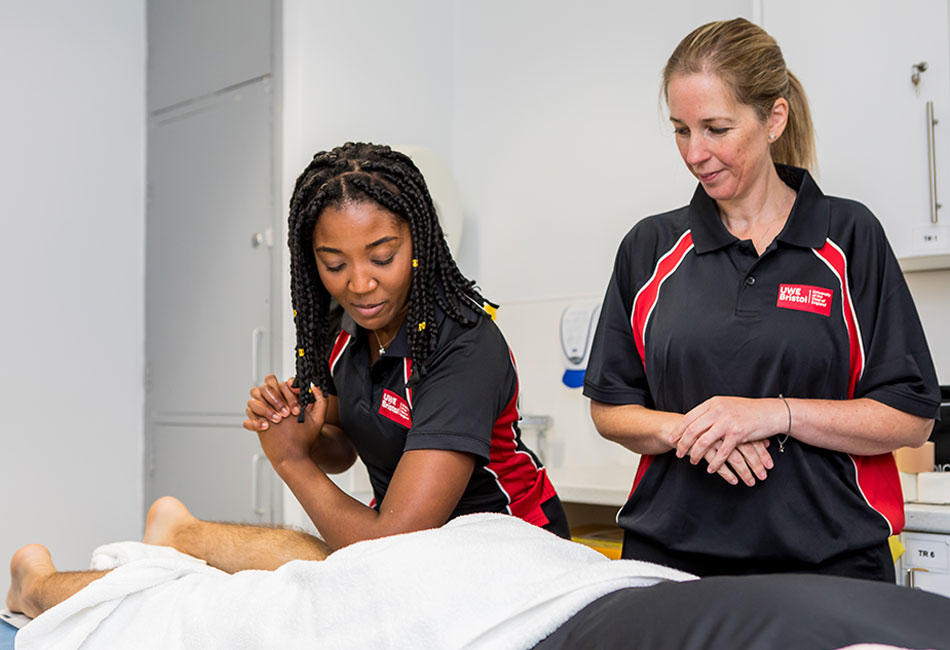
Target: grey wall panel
point(198, 47)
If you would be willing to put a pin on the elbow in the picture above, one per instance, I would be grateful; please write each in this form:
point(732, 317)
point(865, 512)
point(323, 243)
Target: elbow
point(921, 432)
point(337, 464)
point(599, 415)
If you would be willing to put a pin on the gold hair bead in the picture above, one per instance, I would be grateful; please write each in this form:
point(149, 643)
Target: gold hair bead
point(422, 326)
point(415, 264)
point(300, 351)
point(295, 313)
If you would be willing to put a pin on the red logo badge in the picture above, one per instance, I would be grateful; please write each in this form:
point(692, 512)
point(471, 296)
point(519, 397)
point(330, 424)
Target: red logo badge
point(803, 297)
point(395, 408)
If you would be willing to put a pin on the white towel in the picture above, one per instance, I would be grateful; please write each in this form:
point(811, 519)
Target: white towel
point(480, 581)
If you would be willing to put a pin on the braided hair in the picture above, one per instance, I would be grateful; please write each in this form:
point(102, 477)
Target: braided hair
point(359, 172)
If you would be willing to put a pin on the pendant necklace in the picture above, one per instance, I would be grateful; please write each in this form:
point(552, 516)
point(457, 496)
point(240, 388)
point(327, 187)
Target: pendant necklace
point(382, 346)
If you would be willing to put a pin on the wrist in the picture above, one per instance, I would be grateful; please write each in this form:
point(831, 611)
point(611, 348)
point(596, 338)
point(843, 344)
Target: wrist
point(667, 427)
point(294, 466)
point(783, 416)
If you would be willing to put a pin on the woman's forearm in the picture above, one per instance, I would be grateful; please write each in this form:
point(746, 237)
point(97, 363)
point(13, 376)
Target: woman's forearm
point(858, 426)
point(333, 451)
point(424, 491)
point(639, 429)
point(340, 519)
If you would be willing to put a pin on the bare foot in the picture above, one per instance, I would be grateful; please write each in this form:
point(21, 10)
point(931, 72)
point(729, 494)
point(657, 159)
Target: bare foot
point(166, 516)
point(29, 564)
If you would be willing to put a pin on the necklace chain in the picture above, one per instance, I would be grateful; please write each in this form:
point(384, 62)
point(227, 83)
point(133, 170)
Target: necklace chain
point(383, 346)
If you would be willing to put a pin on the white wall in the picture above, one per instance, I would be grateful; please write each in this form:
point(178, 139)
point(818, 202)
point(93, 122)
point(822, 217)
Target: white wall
point(561, 145)
point(72, 269)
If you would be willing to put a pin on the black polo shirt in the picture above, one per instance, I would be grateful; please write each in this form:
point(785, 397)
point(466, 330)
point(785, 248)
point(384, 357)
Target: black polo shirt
point(692, 312)
point(467, 401)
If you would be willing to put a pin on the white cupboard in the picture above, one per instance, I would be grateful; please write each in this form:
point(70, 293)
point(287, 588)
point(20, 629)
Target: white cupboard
point(857, 62)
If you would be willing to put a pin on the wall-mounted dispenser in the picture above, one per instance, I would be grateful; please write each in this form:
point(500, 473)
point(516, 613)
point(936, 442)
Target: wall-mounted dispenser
point(578, 323)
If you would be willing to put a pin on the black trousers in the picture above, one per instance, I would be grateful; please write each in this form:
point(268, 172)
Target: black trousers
point(873, 563)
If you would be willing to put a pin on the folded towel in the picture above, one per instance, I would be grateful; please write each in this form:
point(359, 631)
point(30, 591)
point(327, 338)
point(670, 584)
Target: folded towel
point(480, 581)
point(116, 554)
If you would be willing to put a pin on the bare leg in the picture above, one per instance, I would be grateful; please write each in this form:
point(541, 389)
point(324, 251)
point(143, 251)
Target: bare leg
point(229, 547)
point(36, 585)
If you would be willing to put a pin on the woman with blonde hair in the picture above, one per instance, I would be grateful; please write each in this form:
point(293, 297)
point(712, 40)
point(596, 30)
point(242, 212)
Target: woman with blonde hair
point(758, 347)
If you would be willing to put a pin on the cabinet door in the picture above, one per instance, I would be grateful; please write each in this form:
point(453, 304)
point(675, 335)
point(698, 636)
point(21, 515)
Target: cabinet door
point(926, 562)
point(218, 470)
point(855, 60)
point(208, 298)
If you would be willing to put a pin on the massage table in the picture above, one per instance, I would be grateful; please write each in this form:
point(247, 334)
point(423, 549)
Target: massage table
point(480, 581)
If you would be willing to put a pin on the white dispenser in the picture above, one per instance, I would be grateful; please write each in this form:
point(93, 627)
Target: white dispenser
point(578, 323)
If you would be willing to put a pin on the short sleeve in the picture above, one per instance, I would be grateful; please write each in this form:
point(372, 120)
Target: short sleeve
point(615, 372)
point(469, 382)
point(898, 368)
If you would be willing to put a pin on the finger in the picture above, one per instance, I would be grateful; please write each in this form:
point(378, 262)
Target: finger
point(709, 441)
point(751, 456)
point(253, 423)
point(272, 394)
point(293, 386)
point(317, 411)
point(290, 397)
point(687, 421)
point(688, 439)
point(728, 476)
point(739, 465)
point(727, 445)
point(263, 410)
point(760, 448)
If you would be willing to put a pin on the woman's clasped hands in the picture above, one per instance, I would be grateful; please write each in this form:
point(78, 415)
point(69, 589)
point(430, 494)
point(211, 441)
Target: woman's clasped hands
point(731, 435)
point(272, 413)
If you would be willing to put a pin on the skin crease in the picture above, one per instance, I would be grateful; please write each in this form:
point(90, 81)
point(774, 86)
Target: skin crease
point(726, 146)
point(364, 258)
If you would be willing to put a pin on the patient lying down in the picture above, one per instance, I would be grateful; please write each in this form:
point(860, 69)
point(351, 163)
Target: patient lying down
point(36, 585)
point(480, 581)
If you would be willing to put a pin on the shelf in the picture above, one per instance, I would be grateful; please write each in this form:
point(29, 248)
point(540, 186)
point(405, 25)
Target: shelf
point(927, 518)
point(924, 263)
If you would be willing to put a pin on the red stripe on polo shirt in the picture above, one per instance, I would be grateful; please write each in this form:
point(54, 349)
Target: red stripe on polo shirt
point(645, 461)
point(876, 476)
point(880, 485)
point(407, 373)
point(836, 260)
point(649, 293)
point(342, 340)
point(525, 485)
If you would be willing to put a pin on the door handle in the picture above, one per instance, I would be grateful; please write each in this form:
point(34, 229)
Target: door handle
point(932, 163)
point(257, 335)
point(910, 582)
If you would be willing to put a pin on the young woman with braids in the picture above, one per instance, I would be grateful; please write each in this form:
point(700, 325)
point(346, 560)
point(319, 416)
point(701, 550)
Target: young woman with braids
point(759, 347)
point(407, 371)
point(398, 362)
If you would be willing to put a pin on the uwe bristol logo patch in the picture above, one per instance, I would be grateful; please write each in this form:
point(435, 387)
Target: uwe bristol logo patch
point(395, 408)
point(804, 297)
